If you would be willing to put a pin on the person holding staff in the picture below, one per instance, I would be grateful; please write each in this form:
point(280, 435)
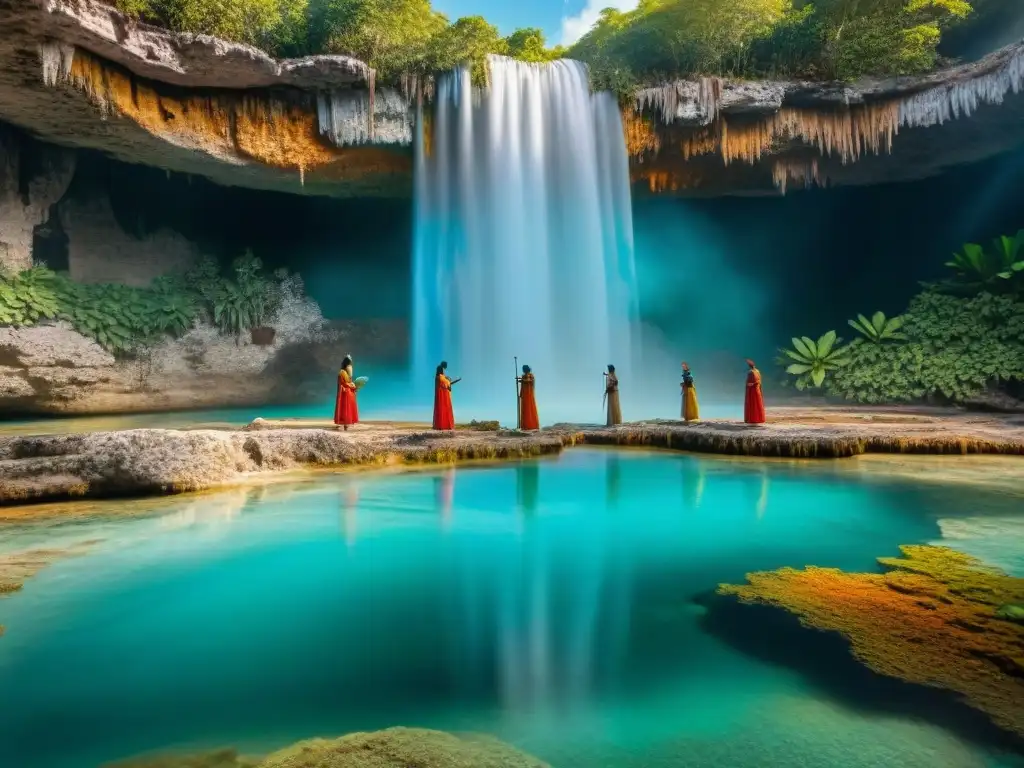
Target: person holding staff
point(611, 394)
point(528, 417)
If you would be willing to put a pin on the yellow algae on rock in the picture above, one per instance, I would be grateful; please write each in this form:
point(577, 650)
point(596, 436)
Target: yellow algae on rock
point(936, 618)
point(221, 758)
point(232, 126)
point(391, 748)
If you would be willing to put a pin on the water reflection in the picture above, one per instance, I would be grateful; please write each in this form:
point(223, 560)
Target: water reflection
point(613, 479)
point(762, 499)
point(350, 512)
point(694, 478)
point(444, 493)
point(527, 487)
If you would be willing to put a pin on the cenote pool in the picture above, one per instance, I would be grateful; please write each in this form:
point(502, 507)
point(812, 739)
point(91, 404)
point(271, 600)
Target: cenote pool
point(559, 605)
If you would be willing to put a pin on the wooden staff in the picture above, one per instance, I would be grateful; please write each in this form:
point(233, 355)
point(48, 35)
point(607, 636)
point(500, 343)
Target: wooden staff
point(519, 397)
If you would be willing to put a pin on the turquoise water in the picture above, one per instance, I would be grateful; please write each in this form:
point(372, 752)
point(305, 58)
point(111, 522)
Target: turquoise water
point(558, 605)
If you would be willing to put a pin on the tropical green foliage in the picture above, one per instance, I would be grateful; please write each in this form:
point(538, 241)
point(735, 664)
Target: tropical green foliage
point(813, 360)
point(878, 329)
point(27, 297)
point(955, 347)
point(248, 301)
point(660, 38)
point(841, 39)
point(125, 319)
point(977, 268)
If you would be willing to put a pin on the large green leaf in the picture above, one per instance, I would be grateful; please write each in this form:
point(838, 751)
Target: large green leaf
point(798, 368)
point(818, 376)
point(825, 344)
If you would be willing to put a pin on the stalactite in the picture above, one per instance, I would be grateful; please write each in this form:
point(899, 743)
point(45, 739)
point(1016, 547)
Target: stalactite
point(344, 118)
point(705, 95)
point(371, 86)
point(962, 98)
point(641, 137)
point(267, 130)
point(56, 60)
point(667, 181)
point(803, 171)
point(709, 96)
point(846, 134)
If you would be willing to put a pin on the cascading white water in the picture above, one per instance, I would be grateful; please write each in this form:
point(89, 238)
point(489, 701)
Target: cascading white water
point(524, 237)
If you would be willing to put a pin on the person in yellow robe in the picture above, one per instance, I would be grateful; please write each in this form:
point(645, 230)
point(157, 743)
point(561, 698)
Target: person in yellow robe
point(689, 411)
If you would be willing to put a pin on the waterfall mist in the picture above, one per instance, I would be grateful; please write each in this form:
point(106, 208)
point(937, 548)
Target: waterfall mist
point(523, 240)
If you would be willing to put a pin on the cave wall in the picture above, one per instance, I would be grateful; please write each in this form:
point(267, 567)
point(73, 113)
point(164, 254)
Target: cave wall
point(736, 277)
point(99, 251)
point(106, 221)
point(33, 176)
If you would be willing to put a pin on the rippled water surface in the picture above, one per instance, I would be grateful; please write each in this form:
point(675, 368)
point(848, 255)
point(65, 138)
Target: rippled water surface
point(554, 604)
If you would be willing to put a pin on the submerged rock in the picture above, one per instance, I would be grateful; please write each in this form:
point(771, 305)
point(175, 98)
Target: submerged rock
point(933, 619)
point(391, 748)
point(402, 748)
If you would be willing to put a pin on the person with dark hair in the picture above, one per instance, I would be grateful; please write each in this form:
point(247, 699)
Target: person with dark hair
point(689, 411)
point(346, 411)
point(444, 414)
point(611, 393)
point(753, 403)
point(528, 417)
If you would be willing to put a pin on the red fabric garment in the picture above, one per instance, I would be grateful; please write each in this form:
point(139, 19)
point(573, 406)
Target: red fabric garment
point(346, 411)
point(528, 417)
point(753, 405)
point(444, 415)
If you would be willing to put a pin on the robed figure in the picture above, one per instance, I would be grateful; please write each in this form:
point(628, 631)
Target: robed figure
point(611, 393)
point(444, 415)
point(689, 410)
point(753, 404)
point(528, 418)
point(346, 411)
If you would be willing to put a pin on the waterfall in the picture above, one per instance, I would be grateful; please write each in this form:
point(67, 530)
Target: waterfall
point(523, 237)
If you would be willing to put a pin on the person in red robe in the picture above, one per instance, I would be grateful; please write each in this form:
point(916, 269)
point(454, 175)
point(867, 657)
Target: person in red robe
point(528, 417)
point(753, 404)
point(346, 412)
point(444, 415)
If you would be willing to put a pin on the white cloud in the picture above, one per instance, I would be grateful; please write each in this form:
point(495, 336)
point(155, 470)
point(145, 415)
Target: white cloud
point(575, 27)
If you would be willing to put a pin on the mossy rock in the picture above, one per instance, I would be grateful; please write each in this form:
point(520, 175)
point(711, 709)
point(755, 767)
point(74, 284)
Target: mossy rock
point(221, 758)
point(480, 426)
point(402, 748)
point(1011, 613)
point(392, 748)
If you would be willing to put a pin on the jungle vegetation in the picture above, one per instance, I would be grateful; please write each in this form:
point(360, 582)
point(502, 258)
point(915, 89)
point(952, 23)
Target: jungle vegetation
point(125, 320)
point(826, 39)
point(957, 338)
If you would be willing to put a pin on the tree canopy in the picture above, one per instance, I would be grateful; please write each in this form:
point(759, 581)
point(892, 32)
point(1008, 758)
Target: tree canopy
point(825, 39)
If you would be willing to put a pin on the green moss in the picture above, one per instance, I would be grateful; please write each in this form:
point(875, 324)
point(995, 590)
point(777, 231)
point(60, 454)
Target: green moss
point(125, 320)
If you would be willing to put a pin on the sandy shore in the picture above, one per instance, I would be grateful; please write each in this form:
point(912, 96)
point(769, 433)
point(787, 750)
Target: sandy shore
point(148, 462)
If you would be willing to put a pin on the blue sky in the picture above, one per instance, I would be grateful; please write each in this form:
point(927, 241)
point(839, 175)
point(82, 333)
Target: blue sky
point(562, 20)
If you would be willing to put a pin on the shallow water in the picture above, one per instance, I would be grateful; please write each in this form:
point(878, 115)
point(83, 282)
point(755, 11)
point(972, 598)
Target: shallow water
point(549, 603)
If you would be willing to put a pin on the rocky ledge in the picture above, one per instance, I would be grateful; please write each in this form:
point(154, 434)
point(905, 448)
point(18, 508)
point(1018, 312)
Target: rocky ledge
point(81, 74)
point(164, 461)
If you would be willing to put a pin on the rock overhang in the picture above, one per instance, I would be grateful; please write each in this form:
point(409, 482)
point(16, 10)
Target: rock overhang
point(82, 75)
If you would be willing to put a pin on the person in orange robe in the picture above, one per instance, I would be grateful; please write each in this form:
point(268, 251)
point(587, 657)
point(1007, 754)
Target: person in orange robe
point(753, 404)
point(346, 411)
point(444, 415)
point(528, 418)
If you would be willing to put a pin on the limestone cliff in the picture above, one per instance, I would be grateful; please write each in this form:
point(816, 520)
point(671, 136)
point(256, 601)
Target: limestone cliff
point(80, 74)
